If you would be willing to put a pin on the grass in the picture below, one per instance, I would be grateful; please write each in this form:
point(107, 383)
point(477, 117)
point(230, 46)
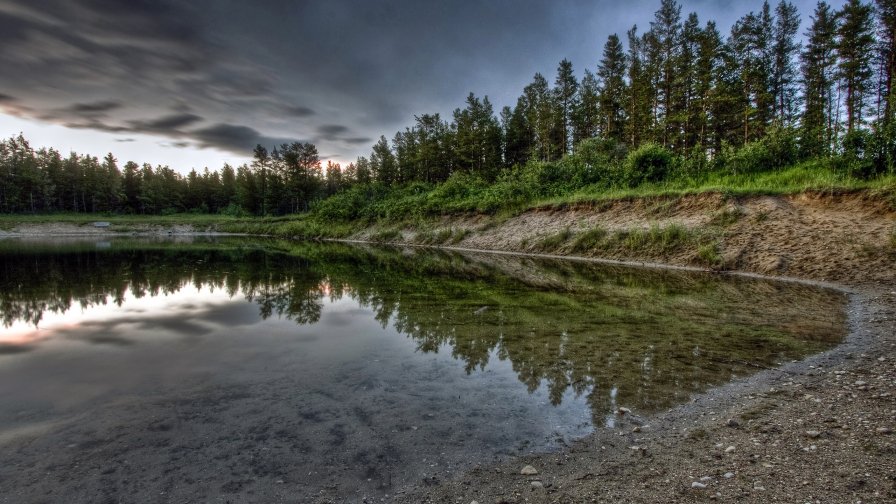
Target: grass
point(726, 217)
point(656, 241)
point(553, 242)
point(800, 178)
point(386, 235)
point(709, 255)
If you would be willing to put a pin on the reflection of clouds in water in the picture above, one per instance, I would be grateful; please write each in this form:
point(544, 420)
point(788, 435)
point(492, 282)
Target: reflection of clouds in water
point(175, 314)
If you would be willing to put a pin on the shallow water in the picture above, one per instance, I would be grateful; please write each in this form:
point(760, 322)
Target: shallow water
point(207, 369)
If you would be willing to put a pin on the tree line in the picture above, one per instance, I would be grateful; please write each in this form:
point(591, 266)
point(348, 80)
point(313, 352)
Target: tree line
point(680, 90)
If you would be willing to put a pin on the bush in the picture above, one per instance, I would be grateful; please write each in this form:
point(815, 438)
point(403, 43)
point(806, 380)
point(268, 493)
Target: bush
point(856, 159)
point(649, 163)
point(347, 205)
point(782, 147)
point(753, 157)
point(234, 210)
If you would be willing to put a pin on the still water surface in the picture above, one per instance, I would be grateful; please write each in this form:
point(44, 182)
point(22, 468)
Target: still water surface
point(233, 368)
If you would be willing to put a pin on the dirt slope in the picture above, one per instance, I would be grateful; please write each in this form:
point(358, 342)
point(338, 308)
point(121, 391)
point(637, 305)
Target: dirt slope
point(838, 238)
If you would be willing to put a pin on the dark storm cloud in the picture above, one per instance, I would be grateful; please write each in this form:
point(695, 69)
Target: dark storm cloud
point(357, 140)
point(96, 124)
point(233, 137)
point(299, 111)
point(166, 123)
point(93, 108)
point(332, 129)
point(357, 69)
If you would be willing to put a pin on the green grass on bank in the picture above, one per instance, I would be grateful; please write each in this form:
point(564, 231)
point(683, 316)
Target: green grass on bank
point(805, 177)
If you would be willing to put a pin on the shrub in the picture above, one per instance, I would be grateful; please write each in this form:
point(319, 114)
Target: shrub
point(753, 157)
point(234, 210)
point(782, 147)
point(649, 163)
point(855, 158)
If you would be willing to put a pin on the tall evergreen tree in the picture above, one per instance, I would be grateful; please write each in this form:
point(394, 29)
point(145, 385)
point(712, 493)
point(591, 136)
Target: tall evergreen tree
point(665, 33)
point(640, 96)
point(539, 110)
point(887, 41)
point(261, 161)
point(477, 137)
point(586, 122)
point(784, 74)
point(566, 91)
point(751, 43)
point(706, 87)
point(611, 75)
point(818, 64)
point(382, 163)
point(686, 106)
point(518, 134)
point(855, 42)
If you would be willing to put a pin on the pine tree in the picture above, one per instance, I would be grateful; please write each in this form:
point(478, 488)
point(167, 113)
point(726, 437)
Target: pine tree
point(785, 48)
point(818, 62)
point(855, 42)
point(611, 75)
point(587, 114)
point(751, 43)
point(665, 33)
point(887, 41)
point(261, 162)
point(686, 115)
point(518, 135)
point(477, 137)
point(706, 88)
point(382, 163)
point(566, 91)
point(539, 112)
point(640, 97)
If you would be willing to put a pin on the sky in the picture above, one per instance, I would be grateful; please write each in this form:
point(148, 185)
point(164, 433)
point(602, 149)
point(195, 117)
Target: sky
point(194, 84)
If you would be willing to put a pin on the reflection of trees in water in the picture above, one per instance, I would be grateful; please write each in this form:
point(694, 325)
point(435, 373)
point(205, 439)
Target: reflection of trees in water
point(655, 337)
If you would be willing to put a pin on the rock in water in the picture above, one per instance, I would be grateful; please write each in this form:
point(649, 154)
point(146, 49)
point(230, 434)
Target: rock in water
point(528, 471)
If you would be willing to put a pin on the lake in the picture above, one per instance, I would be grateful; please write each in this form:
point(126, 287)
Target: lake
point(251, 370)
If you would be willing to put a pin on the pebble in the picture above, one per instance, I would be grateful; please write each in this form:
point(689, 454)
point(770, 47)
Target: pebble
point(728, 475)
point(537, 484)
point(623, 411)
point(813, 433)
point(528, 471)
point(474, 502)
point(732, 423)
point(884, 430)
point(730, 449)
point(698, 485)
